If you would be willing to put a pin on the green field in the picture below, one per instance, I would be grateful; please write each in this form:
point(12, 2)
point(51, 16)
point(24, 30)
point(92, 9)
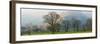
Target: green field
point(47, 33)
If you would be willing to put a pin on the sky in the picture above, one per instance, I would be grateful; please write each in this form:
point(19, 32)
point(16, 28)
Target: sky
point(34, 16)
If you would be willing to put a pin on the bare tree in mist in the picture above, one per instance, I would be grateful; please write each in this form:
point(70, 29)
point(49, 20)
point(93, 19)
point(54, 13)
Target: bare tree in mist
point(52, 19)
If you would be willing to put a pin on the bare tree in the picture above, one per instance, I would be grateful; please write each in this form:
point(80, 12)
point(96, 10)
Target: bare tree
point(52, 19)
point(66, 25)
point(76, 24)
point(89, 24)
point(29, 27)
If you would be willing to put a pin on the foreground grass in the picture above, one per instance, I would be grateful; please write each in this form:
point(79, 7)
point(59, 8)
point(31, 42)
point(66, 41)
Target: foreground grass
point(47, 33)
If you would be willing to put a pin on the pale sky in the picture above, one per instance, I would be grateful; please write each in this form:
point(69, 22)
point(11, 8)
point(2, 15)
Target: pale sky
point(35, 16)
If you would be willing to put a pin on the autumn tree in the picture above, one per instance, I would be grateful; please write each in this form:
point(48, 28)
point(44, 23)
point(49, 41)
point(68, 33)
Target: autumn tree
point(52, 19)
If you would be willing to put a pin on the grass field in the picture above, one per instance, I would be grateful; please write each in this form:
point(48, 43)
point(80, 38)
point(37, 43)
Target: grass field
point(47, 33)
